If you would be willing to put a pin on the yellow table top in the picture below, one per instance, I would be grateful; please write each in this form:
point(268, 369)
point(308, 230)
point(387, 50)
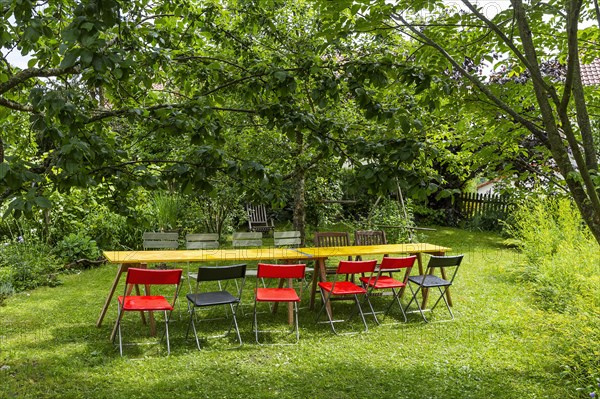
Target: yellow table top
point(208, 255)
point(325, 252)
point(202, 255)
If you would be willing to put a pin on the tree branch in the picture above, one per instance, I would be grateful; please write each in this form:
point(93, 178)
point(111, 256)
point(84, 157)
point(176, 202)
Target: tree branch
point(480, 85)
point(530, 64)
point(15, 105)
point(197, 57)
point(29, 73)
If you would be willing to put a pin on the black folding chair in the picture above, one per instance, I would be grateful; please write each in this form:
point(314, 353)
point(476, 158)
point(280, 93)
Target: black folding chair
point(429, 281)
point(203, 299)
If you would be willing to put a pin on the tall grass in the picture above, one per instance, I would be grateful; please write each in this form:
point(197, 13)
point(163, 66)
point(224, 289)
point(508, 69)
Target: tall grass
point(561, 264)
point(167, 208)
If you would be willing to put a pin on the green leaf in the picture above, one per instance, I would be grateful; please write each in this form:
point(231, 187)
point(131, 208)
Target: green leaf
point(4, 168)
point(43, 202)
point(70, 35)
point(87, 56)
point(280, 75)
point(70, 59)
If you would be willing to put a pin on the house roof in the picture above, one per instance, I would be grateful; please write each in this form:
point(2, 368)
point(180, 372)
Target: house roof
point(590, 73)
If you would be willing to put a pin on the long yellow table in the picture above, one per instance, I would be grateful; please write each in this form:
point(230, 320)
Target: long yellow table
point(127, 259)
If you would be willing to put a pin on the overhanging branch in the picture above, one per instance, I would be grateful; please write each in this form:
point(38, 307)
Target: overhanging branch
point(29, 73)
point(476, 81)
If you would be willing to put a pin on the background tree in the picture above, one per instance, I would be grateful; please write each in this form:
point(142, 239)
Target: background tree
point(524, 36)
point(123, 97)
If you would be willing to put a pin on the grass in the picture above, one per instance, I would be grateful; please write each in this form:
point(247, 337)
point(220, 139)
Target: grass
point(499, 346)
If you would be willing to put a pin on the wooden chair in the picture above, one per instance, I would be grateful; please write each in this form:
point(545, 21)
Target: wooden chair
point(290, 239)
point(369, 237)
point(332, 239)
point(153, 240)
point(258, 219)
point(202, 241)
point(247, 239)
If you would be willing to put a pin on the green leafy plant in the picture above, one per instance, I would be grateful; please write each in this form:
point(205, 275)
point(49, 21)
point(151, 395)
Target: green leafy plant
point(77, 246)
point(6, 290)
point(388, 215)
point(560, 265)
point(27, 265)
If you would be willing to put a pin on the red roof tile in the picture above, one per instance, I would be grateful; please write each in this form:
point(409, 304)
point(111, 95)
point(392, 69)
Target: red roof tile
point(590, 73)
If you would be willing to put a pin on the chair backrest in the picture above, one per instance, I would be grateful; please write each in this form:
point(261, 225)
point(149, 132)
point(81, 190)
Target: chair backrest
point(332, 239)
point(356, 266)
point(266, 270)
point(247, 239)
point(258, 219)
point(152, 240)
point(369, 237)
point(217, 273)
point(202, 241)
point(389, 263)
point(445, 262)
point(153, 277)
point(287, 238)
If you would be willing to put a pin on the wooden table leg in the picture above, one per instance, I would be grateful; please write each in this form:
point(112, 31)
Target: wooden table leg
point(323, 277)
point(276, 304)
point(448, 297)
point(320, 273)
point(426, 291)
point(315, 278)
point(290, 305)
point(115, 328)
point(122, 268)
point(150, 314)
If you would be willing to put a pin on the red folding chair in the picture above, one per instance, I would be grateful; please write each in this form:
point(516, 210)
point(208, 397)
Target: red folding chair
point(380, 282)
point(289, 295)
point(346, 289)
point(141, 303)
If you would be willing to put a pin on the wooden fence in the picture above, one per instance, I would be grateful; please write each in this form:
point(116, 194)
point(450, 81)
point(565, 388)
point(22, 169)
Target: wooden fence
point(474, 204)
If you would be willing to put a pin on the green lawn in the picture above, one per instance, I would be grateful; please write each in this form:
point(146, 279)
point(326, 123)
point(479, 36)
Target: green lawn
point(499, 346)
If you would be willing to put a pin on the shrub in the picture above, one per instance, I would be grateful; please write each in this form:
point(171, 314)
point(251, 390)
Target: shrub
point(27, 265)
point(6, 290)
point(388, 215)
point(77, 246)
point(561, 257)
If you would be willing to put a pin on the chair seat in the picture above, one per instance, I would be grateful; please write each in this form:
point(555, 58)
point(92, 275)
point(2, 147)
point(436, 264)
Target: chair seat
point(342, 288)
point(383, 282)
point(212, 298)
point(277, 295)
point(145, 303)
point(429, 280)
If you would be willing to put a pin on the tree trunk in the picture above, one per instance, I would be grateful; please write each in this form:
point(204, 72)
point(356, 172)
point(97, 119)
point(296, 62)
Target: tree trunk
point(299, 205)
point(557, 122)
point(299, 219)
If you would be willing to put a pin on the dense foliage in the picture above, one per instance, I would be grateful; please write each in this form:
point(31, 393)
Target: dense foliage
point(559, 264)
point(541, 123)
